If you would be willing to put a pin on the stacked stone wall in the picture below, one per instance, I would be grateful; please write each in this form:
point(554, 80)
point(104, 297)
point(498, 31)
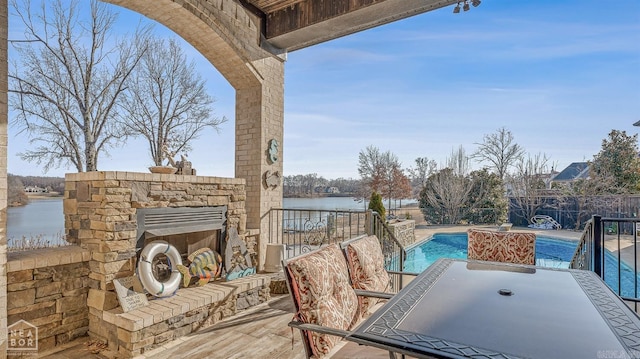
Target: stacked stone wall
point(100, 210)
point(48, 288)
point(100, 215)
point(404, 231)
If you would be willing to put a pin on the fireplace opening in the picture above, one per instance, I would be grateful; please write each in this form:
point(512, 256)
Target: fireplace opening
point(186, 228)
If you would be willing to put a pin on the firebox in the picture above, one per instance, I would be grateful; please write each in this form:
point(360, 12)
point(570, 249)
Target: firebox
point(186, 228)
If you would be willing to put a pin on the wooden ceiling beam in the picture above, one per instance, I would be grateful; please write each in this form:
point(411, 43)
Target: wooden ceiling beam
point(294, 24)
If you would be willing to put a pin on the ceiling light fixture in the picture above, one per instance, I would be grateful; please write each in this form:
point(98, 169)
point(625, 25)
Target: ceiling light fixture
point(465, 5)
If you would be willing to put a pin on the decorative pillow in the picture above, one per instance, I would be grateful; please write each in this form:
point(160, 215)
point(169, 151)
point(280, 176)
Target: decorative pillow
point(321, 289)
point(366, 268)
point(510, 247)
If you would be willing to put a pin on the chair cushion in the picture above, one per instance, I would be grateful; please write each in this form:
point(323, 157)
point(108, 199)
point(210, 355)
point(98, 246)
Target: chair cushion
point(366, 268)
point(510, 247)
point(320, 287)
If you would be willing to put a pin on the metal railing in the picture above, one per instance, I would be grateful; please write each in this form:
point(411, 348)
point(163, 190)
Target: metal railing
point(392, 250)
point(609, 247)
point(303, 230)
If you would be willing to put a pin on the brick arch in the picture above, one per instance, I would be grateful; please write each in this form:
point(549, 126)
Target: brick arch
point(222, 31)
point(225, 33)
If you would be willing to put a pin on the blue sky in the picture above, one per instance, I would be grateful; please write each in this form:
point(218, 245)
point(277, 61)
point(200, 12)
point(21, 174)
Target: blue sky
point(560, 75)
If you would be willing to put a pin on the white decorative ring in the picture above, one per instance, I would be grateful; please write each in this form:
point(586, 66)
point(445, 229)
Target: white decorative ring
point(145, 272)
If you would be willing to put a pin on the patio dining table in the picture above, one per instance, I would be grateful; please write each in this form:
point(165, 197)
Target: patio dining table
point(465, 308)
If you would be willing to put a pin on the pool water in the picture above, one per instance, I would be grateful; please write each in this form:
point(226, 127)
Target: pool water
point(550, 252)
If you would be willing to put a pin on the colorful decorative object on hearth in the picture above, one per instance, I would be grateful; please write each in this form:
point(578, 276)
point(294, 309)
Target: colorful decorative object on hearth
point(206, 264)
point(237, 260)
point(145, 270)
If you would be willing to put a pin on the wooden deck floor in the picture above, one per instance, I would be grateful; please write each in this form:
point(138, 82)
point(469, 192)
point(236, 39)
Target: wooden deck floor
point(260, 332)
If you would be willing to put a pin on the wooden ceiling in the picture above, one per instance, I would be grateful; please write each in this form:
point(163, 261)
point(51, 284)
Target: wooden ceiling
point(268, 6)
point(294, 24)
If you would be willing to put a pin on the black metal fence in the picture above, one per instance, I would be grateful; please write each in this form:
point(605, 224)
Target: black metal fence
point(574, 212)
point(609, 248)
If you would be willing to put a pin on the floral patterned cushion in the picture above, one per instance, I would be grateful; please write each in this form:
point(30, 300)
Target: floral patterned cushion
point(511, 247)
point(366, 268)
point(320, 286)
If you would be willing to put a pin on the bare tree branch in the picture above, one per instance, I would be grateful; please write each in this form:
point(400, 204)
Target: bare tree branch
point(69, 80)
point(167, 103)
point(499, 150)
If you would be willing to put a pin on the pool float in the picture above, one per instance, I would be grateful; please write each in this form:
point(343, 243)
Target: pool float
point(206, 264)
point(145, 272)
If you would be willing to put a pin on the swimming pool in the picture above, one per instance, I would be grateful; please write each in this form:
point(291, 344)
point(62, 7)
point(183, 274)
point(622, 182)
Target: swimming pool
point(550, 252)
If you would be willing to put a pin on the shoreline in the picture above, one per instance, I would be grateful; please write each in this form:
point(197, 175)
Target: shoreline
point(50, 195)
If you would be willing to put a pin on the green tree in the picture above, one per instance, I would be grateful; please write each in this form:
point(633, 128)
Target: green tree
point(618, 159)
point(486, 200)
point(375, 204)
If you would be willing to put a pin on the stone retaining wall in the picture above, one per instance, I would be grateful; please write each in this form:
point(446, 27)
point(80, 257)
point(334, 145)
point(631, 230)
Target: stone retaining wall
point(403, 230)
point(48, 288)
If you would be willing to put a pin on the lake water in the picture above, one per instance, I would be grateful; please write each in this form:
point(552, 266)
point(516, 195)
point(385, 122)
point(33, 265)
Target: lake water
point(41, 217)
point(326, 203)
point(44, 217)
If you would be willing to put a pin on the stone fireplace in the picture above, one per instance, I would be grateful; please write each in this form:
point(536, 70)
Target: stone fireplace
point(114, 214)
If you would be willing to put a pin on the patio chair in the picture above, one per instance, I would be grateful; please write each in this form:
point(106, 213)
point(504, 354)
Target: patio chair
point(509, 247)
point(365, 261)
point(326, 306)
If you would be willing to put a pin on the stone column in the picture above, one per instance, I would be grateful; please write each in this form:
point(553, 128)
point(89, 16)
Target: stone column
point(259, 120)
point(4, 28)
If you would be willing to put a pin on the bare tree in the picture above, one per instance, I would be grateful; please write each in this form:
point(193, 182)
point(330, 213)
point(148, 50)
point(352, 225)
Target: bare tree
point(444, 197)
point(526, 186)
point(376, 168)
point(587, 196)
point(446, 193)
point(499, 150)
point(67, 81)
point(459, 162)
point(401, 185)
point(167, 103)
point(368, 162)
point(419, 175)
